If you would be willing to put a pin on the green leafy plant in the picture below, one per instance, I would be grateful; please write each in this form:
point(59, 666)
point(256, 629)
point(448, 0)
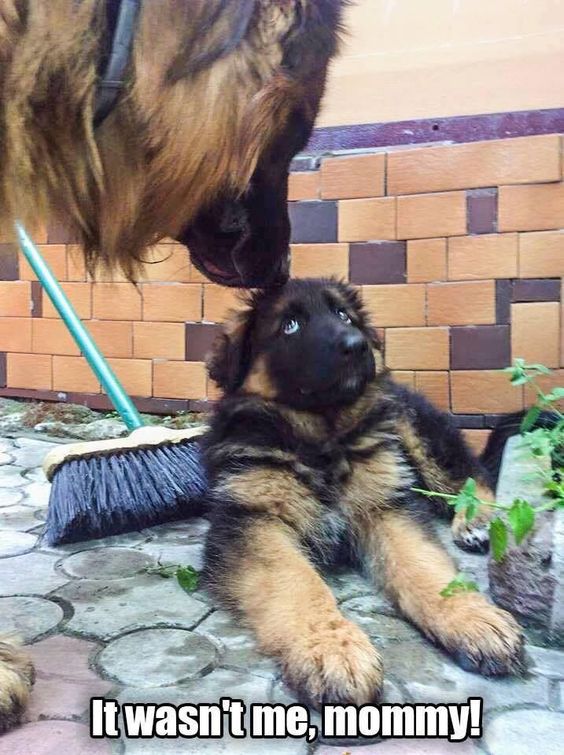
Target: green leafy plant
point(518, 517)
point(187, 577)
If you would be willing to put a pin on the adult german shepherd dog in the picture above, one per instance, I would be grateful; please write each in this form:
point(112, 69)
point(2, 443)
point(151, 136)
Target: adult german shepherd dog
point(219, 95)
point(313, 454)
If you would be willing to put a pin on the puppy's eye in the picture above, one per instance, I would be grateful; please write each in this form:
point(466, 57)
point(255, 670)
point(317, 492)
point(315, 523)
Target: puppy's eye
point(343, 315)
point(291, 326)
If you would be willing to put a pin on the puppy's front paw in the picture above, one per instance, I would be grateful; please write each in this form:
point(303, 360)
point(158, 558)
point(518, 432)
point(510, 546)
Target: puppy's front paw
point(336, 664)
point(472, 536)
point(481, 637)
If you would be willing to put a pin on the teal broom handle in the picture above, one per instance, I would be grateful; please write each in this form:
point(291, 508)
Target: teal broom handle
point(119, 398)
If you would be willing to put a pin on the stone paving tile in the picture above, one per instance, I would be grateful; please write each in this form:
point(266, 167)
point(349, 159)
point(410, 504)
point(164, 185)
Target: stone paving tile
point(190, 554)
point(37, 495)
point(158, 657)
point(18, 518)
point(30, 453)
point(520, 732)
point(64, 682)
point(11, 497)
point(30, 574)
point(105, 608)
point(405, 747)
point(238, 644)
point(52, 738)
point(376, 625)
point(106, 563)
point(546, 662)
point(11, 476)
point(209, 689)
point(15, 543)
point(28, 617)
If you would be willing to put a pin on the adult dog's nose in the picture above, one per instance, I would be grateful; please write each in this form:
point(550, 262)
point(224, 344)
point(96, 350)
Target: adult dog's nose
point(352, 344)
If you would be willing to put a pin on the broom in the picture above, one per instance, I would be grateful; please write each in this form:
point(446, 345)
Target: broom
point(109, 487)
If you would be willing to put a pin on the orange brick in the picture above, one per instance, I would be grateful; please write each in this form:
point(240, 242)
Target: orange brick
point(417, 348)
point(435, 386)
point(76, 268)
point(479, 257)
point(15, 334)
point(539, 207)
point(73, 374)
point(395, 305)
point(218, 301)
point(159, 340)
point(426, 260)
point(471, 303)
point(405, 377)
point(80, 295)
point(353, 177)
point(116, 301)
point(535, 332)
point(541, 255)
point(55, 255)
point(29, 371)
point(478, 391)
point(135, 374)
point(177, 302)
point(367, 219)
point(476, 439)
point(313, 260)
point(529, 159)
point(180, 380)
point(427, 215)
point(546, 383)
point(166, 263)
point(52, 337)
point(196, 276)
point(303, 185)
point(15, 299)
point(114, 338)
point(562, 333)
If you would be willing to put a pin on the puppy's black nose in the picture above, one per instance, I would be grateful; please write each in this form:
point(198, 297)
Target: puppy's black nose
point(352, 344)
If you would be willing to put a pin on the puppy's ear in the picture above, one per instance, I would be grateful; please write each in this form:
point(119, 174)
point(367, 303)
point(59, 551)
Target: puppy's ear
point(229, 360)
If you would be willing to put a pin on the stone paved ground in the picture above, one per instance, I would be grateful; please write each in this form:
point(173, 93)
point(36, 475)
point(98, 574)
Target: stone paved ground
point(100, 624)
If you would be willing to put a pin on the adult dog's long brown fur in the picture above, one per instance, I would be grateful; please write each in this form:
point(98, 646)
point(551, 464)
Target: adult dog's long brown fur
point(313, 454)
point(220, 95)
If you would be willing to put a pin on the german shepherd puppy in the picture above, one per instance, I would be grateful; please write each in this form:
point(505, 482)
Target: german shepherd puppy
point(313, 454)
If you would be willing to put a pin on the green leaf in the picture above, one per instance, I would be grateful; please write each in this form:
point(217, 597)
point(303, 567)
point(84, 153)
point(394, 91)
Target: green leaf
point(458, 585)
point(521, 517)
point(538, 368)
point(188, 578)
point(472, 509)
point(519, 380)
point(469, 487)
point(556, 395)
point(530, 418)
point(498, 538)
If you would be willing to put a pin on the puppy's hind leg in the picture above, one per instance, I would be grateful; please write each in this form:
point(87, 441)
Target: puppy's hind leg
point(479, 636)
point(16, 680)
point(260, 571)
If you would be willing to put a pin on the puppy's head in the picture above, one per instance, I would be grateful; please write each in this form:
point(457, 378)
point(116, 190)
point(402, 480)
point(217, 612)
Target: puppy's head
point(308, 344)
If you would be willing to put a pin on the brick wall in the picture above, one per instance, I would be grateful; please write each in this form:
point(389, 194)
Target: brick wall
point(459, 250)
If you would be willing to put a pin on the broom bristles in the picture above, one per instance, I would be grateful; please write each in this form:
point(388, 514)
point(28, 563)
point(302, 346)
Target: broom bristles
point(126, 491)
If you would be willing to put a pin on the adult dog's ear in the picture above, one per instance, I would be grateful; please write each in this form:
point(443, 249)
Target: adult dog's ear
point(229, 360)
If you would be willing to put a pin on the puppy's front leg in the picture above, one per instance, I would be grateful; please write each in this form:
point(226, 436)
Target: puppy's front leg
point(416, 568)
point(261, 571)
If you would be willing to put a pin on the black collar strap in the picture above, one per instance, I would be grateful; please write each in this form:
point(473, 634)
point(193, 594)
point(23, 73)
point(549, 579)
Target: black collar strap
point(113, 77)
